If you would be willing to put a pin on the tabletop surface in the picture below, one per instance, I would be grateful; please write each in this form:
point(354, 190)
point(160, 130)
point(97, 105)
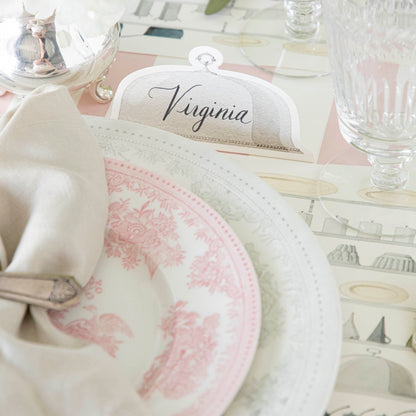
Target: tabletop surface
point(375, 275)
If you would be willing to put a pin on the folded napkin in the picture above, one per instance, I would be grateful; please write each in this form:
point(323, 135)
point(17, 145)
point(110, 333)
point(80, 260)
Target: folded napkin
point(53, 211)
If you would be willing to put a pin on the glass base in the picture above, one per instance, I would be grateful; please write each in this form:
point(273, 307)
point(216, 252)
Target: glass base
point(373, 213)
point(265, 42)
point(388, 174)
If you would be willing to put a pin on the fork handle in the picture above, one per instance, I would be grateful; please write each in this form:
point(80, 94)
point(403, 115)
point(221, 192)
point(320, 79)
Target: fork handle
point(51, 291)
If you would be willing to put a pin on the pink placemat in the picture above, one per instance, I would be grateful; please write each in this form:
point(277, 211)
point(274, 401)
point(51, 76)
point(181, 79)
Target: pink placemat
point(334, 144)
point(124, 63)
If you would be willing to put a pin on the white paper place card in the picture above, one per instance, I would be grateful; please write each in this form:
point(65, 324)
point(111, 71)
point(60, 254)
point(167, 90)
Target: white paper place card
point(235, 112)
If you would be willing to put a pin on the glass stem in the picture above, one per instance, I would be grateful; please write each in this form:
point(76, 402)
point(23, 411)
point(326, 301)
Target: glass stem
point(389, 173)
point(302, 18)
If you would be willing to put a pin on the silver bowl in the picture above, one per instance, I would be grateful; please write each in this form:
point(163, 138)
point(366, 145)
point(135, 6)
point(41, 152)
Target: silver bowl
point(34, 52)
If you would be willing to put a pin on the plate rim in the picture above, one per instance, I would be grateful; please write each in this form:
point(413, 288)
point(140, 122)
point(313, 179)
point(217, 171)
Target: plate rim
point(400, 294)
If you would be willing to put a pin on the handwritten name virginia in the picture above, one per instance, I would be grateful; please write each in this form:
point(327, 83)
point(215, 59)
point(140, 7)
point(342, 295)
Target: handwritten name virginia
point(181, 102)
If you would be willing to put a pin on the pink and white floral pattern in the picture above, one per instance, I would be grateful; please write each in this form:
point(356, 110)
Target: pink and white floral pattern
point(213, 269)
point(185, 363)
point(107, 330)
point(134, 232)
point(93, 287)
point(208, 334)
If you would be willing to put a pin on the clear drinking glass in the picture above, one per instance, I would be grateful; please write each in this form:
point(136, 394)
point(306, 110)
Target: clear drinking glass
point(372, 49)
point(287, 39)
point(302, 18)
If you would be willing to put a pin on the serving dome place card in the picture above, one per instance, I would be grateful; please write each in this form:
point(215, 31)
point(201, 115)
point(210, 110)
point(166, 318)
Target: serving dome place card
point(232, 111)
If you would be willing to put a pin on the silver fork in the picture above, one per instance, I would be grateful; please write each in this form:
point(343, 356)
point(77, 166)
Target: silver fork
point(49, 291)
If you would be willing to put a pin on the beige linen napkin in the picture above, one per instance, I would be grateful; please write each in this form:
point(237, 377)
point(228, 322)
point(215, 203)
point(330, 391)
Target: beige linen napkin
point(53, 210)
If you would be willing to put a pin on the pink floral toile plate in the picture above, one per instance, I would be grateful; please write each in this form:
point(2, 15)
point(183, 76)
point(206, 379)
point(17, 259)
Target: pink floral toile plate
point(174, 298)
